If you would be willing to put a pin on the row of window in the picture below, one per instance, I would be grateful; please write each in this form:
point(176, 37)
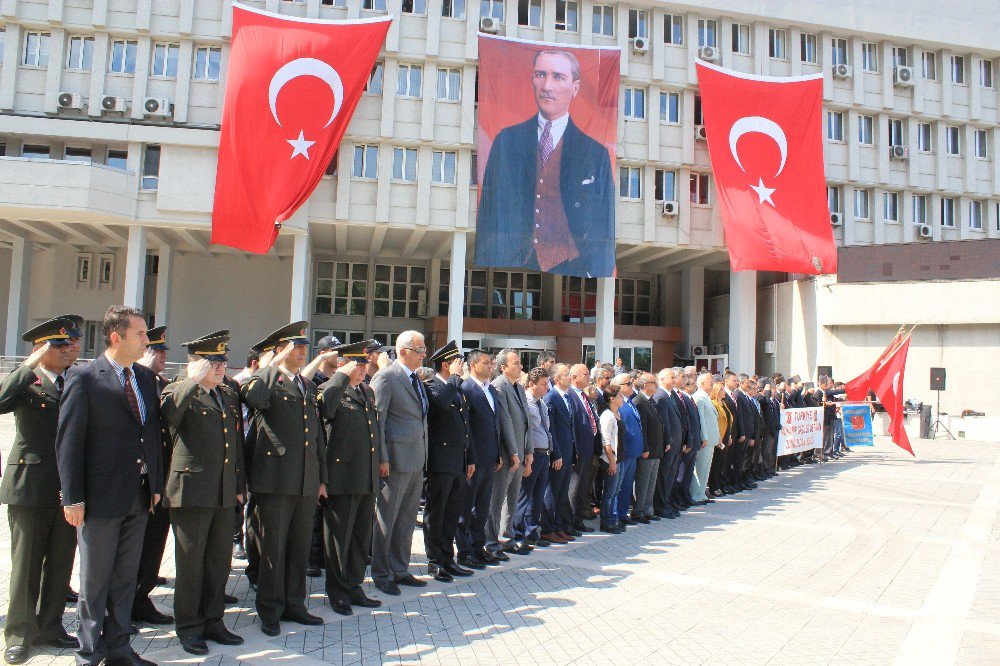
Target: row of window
point(892, 208)
point(835, 124)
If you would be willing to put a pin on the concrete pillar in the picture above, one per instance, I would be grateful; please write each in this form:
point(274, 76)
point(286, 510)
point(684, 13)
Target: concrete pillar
point(742, 321)
point(692, 307)
point(301, 271)
point(17, 301)
point(164, 277)
point(456, 287)
point(604, 334)
point(135, 267)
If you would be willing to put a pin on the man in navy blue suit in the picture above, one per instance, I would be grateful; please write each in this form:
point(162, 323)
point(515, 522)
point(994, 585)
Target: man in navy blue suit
point(673, 436)
point(564, 449)
point(548, 192)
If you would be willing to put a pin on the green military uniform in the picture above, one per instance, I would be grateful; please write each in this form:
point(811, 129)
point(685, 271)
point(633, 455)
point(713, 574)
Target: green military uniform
point(288, 468)
point(353, 441)
point(43, 544)
point(204, 477)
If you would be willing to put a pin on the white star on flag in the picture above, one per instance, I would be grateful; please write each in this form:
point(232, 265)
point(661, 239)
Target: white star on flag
point(300, 146)
point(763, 192)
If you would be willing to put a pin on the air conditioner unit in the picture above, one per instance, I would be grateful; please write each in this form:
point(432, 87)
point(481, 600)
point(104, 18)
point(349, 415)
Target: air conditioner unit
point(835, 219)
point(158, 107)
point(899, 153)
point(489, 24)
point(670, 208)
point(68, 100)
point(925, 231)
point(699, 133)
point(112, 104)
point(770, 347)
point(720, 349)
point(709, 53)
point(903, 76)
point(842, 71)
point(699, 350)
point(640, 45)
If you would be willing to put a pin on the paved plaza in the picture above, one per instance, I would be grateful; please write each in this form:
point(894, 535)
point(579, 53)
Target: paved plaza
point(874, 559)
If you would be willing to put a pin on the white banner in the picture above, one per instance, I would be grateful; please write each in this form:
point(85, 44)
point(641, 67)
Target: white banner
point(801, 430)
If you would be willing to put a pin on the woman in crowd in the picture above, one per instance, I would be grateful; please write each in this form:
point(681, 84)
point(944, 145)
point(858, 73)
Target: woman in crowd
point(609, 425)
point(715, 476)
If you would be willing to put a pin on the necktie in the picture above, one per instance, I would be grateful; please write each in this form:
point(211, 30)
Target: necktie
point(361, 394)
point(218, 398)
point(60, 383)
point(133, 401)
point(420, 395)
point(590, 414)
point(545, 142)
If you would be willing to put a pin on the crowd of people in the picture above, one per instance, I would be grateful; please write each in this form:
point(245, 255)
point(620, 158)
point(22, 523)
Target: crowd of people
point(322, 467)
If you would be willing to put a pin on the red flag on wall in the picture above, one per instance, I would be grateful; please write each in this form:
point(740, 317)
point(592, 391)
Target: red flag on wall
point(857, 389)
point(291, 89)
point(766, 145)
point(887, 382)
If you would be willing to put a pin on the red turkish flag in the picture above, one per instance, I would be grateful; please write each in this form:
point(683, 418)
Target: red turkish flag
point(857, 389)
point(887, 382)
point(766, 144)
point(292, 87)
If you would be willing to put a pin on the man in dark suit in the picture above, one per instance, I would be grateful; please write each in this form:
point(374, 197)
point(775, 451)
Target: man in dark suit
point(564, 451)
point(648, 465)
point(673, 440)
point(734, 458)
point(547, 198)
point(43, 544)
point(535, 481)
point(451, 462)
point(586, 432)
point(108, 447)
point(690, 409)
point(750, 427)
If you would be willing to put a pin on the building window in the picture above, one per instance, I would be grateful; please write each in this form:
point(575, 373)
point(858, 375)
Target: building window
point(374, 5)
point(928, 61)
point(947, 212)
point(78, 155)
point(106, 272)
point(866, 130)
point(862, 204)
point(398, 291)
point(117, 159)
point(839, 56)
point(529, 13)
point(835, 125)
point(80, 54)
point(980, 144)
point(807, 48)
point(514, 295)
point(567, 15)
point(632, 301)
point(708, 32)
point(474, 169)
point(36, 49)
point(404, 164)
point(924, 143)
point(365, 162)
point(635, 103)
point(833, 199)
point(958, 69)
point(920, 209)
point(698, 118)
point(449, 86)
point(900, 57)
point(670, 107)
point(673, 29)
point(579, 304)
point(409, 80)
point(32, 152)
point(638, 23)
point(953, 144)
point(986, 73)
point(776, 40)
point(630, 182)
point(890, 207)
point(976, 215)
point(699, 189)
point(375, 79)
point(341, 289)
point(453, 9)
point(741, 38)
point(165, 57)
point(443, 167)
point(415, 7)
point(207, 63)
point(123, 57)
point(895, 132)
point(83, 269)
point(345, 337)
point(665, 185)
point(604, 20)
point(150, 168)
point(491, 8)
point(869, 56)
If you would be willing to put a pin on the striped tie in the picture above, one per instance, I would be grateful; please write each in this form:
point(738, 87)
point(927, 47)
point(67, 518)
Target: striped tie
point(133, 401)
point(545, 142)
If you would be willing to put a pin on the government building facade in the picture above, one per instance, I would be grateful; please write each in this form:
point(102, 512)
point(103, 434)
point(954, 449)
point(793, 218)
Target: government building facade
point(109, 127)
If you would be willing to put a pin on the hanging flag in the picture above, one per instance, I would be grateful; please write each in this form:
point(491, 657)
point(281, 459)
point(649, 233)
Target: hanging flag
point(766, 145)
point(887, 382)
point(857, 389)
point(291, 89)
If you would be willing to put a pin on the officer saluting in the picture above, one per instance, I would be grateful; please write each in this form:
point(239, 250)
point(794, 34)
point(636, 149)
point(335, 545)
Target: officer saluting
point(354, 438)
point(204, 482)
point(43, 544)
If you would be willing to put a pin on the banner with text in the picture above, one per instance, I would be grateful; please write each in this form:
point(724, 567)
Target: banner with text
point(857, 425)
point(801, 430)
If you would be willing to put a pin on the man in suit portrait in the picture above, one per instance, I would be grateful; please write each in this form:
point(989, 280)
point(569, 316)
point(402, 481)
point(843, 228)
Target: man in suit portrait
point(547, 197)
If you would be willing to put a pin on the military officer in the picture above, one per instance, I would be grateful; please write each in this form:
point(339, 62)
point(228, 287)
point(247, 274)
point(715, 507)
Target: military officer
point(451, 461)
point(158, 525)
point(43, 544)
point(354, 437)
point(204, 482)
point(289, 474)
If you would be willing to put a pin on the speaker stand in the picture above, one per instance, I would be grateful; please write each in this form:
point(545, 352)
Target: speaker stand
point(937, 424)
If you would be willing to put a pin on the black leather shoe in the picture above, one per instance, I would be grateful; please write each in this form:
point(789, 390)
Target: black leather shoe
point(341, 608)
point(302, 617)
point(573, 532)
point(487, 557)
point(161, 580)
point(133, 628)
point(456, 570)
point(581, 527)
point(223, 637)
point(117, 661)
point(313, 572)
point(389, 588)
point(626, 520)
point(439, 574)
point(541, 543)
point(139, 661)
point(63, 642)
point(72, 597)
point(17, 654)
point(411, 581)
point(239, 553)
point(230, 599)
point(501, 556)
point(653, 518)
point(607, 529)
point(194, 645)
point(270, 628)
point(471, 561)
point(364, 601)
point(151, 616)
point(521, 549)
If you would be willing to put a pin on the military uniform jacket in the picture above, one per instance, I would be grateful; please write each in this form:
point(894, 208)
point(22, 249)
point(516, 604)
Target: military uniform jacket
point(32, 476)
point(166, 444)
point(353, 437)
point(206, 468)
point(288, 455)
point(449, 436)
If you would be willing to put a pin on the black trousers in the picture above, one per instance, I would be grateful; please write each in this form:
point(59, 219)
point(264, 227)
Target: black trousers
point(445, 496)
point(348, 523)
point(716, 473)
point(253, 552)
point(203, 550)
point(153, 542)
point(471, 535)
point(581, 474)
point(316, 556)
point(284, 534)
point(666, 479)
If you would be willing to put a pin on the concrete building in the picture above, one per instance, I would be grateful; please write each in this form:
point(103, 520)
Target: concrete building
point(109, 128)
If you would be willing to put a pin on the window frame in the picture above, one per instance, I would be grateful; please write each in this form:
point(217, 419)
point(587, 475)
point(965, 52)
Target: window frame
point(928, 65)
point(402, 164)
point(167, 48)
point(839, 45)
point(700, 186)
point(86, 60)
point(958, 77)
point(539, 15)
point(365, 156)
point(354, 279)
point(741, 38)
point(453, 9)
point(493, 4)
point(414, 10)
point(986, 78)
point(894, 197)
point(451, 85)
point(869, 57)
point(629, 176)
point(777, 44)
point(948, 205)
point(378, 68)
point(659, 184)
point(630, 109)
point(566, 7)
point(896, 132)
point(665, 116)
point(206, 74)
point(953, 141)
point(866, 122)
point(809, 45)
point(676, 25)
point(439, 167)
point(974, 205)
point(148, 181)
point(641, 19)
point(704, 33)
point(919, 213)
point(599, 18)
point(862, 204)
point(981, 143)
point(41, 54)
point(835, 199)
point(922, 145)
point(831, 115)
point(409, 68)
point(125, 44)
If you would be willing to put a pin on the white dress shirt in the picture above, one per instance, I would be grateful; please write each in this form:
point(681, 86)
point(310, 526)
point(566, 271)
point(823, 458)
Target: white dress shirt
point(558, 127)
point(485, 387)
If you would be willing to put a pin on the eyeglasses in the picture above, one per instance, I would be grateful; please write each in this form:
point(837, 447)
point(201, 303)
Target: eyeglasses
point(417, 350)
point(219, 365)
